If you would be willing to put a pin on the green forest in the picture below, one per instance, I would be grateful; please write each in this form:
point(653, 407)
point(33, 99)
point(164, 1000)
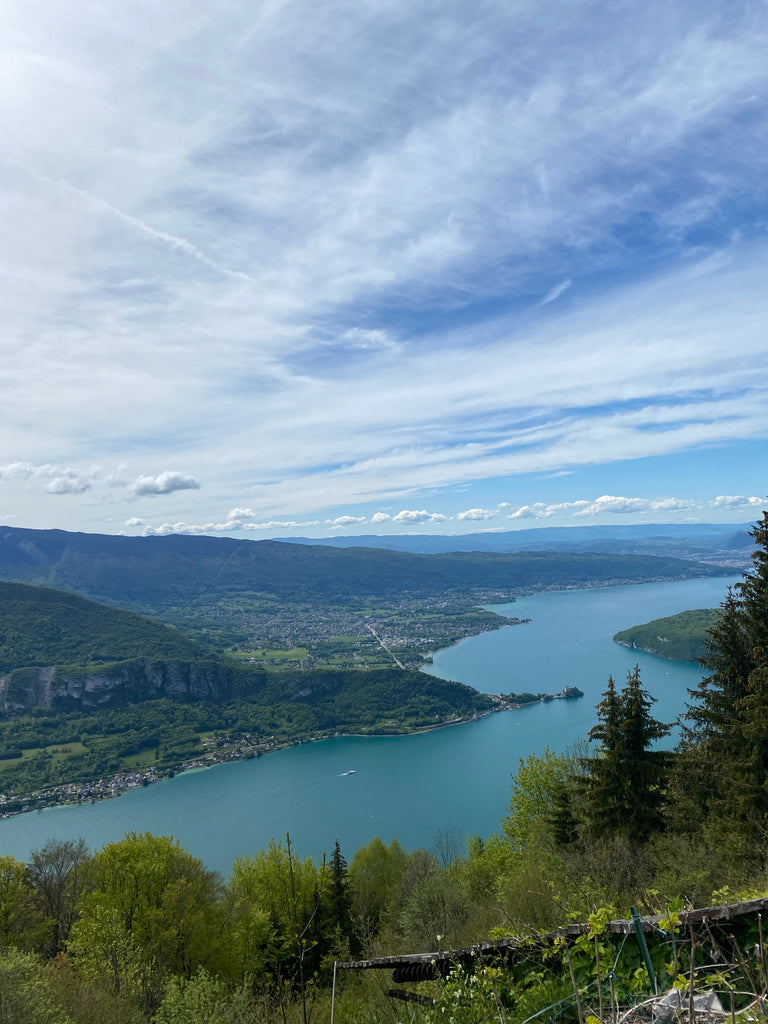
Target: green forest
point(140, 931)
point(40, 626)
point(681, 637)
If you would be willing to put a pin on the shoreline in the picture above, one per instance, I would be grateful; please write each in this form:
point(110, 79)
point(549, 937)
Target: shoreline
point(114, 786)
point(109, 787)
point(95, 790)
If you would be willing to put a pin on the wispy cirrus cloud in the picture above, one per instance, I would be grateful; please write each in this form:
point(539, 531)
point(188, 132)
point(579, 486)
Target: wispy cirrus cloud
point(327, 270)
point(556, 291)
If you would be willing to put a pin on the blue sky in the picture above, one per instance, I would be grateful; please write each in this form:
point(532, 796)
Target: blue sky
point(288, 268)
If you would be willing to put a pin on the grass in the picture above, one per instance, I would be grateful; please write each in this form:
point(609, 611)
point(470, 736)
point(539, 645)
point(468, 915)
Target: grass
point(270, 655)
point(141, 759)
point(58, 750)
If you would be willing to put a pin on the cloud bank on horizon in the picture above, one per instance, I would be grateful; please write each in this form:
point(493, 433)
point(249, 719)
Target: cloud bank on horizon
point(374, 268)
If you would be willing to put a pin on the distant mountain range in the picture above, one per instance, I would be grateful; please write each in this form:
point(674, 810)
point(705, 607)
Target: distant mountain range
point(163, 576)
point(700, 539)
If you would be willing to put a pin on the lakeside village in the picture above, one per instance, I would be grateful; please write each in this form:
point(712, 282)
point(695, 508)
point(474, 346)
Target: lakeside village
point(106, 788)
point(114, 785)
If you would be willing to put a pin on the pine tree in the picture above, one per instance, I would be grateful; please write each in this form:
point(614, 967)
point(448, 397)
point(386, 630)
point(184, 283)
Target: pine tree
point(624, 783)
point(605, 780)
point(340, 901)
point(728, 722)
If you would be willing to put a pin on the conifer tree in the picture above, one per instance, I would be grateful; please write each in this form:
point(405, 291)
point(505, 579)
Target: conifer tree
point(624, 782)
point(340, 917)
point(729, 720)
point(605, 779)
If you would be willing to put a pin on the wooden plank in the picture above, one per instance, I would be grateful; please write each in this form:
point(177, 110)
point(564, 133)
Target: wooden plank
point(512, 945)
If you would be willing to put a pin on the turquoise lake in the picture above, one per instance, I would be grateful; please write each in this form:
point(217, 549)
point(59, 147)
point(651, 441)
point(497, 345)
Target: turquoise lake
point(408, 787)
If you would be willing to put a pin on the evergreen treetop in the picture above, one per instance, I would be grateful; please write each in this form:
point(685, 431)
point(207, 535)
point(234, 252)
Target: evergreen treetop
point(624, 782)
point(729, 717)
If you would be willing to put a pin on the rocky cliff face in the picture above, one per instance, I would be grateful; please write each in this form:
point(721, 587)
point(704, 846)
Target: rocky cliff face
point(116, 685)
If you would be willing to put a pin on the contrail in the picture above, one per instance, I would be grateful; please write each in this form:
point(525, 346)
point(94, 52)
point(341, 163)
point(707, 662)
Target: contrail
point(102, 206)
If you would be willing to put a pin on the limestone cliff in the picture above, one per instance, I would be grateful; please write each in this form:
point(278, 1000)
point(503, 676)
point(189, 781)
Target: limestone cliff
point(71, 688)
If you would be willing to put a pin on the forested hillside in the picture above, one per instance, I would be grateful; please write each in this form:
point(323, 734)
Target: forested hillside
point(40, 626)
point(680, 637)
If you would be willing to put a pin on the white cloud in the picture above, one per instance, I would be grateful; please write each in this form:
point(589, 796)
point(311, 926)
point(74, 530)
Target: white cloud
point(606, 504)
point(737, 501)
point(476, 513)
point(622, 506)
point(164, 483)
point(187, 528)
point(380, 517)
point(279, 524)
point(413, 518)
point(17, 471)
point(341, 521)
point(69, 483)
point(134, 521)
point(556, 291)
point(280, 268)
point(538, 510)
point(61, 479)
point(368, 338)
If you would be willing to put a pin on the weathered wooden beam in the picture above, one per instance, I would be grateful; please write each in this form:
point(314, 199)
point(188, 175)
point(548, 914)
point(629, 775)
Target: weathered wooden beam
point(513, 946)
point(446, 955)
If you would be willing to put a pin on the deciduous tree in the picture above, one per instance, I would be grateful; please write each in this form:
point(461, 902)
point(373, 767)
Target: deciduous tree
point(60, 873)
point(152, 913)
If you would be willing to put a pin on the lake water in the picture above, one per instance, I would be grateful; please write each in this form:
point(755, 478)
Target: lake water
point(408, 787)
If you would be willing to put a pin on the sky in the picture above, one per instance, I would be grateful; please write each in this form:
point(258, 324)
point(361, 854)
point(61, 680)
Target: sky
point(286, 268)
